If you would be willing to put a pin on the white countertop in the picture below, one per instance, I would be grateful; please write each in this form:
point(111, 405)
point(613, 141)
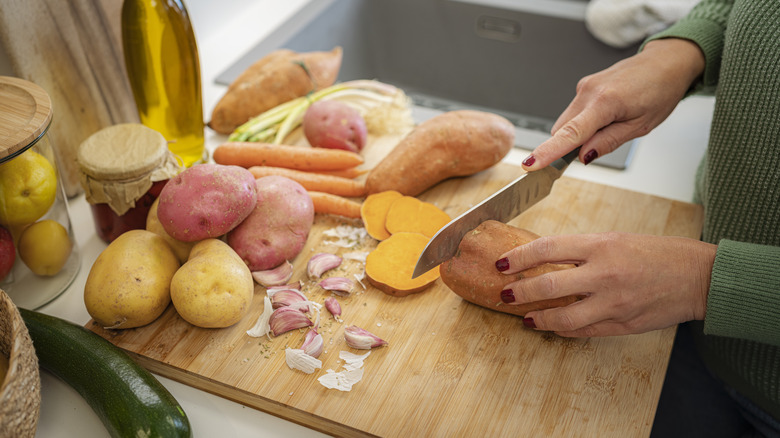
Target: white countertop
point(663, 164)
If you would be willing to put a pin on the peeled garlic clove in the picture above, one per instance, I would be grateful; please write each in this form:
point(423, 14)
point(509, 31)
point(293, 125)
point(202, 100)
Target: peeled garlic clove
point(333, 307)
point(321, 263)
point(340, 285)
point(262, 326)
point(362, 339)
point(290, 298)
point(285, 319)
point(276, 276)
point(313, 344)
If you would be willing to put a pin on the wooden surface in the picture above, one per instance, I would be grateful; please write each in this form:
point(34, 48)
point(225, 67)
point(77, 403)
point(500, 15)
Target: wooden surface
point(72, 49)
point(451, 368)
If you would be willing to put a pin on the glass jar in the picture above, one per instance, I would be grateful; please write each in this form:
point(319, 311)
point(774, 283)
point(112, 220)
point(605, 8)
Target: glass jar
point(123, 170)
point(39, 257)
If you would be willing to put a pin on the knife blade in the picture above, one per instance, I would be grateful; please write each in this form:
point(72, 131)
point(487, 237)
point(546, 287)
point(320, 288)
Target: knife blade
point(504, 205)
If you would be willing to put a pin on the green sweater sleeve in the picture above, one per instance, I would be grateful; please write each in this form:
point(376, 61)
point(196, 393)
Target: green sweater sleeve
point(744, 301)
point(705, 25)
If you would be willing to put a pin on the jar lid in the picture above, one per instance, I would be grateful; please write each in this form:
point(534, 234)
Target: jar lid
point(121, 152)
point(25, 115)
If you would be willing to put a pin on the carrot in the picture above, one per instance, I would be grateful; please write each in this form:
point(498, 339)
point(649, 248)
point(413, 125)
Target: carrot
point(327, 203)
point(248, 154)
point(334, 185)
point(352, 172)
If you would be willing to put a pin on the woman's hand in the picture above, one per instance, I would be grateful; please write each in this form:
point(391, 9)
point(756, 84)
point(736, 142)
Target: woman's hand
point(625, 101)
point(632, 283)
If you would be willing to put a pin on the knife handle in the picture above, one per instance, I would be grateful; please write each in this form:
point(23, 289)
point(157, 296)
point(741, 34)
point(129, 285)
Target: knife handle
point(563, 162)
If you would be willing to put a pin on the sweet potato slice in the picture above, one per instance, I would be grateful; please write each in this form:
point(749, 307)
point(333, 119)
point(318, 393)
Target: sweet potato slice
point(390, 266)
point(373, 211)
point(472, 273)
point(412, 215)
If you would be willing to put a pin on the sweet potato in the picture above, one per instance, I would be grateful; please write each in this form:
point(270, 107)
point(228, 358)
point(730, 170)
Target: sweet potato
point(373, 212)
point(277, 229)
point(389, 267)
point(332, 124)
point(472, 273)
point(206, 200)
point(456, 143)
point(278, 77)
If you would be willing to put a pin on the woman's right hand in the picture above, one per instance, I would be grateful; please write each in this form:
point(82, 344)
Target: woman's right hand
point(625, 101)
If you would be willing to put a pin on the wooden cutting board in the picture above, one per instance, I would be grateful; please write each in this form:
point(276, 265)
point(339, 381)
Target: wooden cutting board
point(72, 49)
point(451, 368)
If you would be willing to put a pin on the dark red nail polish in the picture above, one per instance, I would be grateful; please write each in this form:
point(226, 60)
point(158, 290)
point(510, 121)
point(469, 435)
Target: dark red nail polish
point(507, 296)
point(529, 322)
point(503, 264)
point(590, 156)
point(529, 160)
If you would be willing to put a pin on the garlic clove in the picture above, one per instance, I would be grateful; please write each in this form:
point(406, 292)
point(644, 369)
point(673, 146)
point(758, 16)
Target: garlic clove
point(290, 298)
point(333, 307)
point(276, 276)
point(313, 343)
point(321, 263)
point(340, 285)
point(287, 318)
point(362, 339)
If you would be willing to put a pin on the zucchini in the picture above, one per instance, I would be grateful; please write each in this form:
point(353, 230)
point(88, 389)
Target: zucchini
point(129, 400)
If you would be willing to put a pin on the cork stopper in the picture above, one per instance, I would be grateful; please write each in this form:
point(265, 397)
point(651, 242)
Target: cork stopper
point(25, 115)
point(120, 163)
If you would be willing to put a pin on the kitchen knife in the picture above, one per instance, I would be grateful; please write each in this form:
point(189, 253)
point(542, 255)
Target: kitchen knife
point(504, 205)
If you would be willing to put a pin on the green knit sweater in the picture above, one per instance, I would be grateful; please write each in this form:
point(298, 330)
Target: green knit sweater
point(739, 186)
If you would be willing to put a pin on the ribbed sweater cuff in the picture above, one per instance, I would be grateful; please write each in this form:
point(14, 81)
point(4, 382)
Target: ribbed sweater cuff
point(708, 35)
point(744, 298)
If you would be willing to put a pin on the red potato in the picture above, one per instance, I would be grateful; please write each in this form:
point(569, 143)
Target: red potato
point(206, 200)
point(332, 124)
point(277, 228)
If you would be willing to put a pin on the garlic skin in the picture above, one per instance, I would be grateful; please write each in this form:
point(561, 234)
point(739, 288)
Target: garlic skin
point(274, 277)
point(339, 285)
point(290, 298)
point(333, 307)
point(297, 359)
point(288, 318)
point(313, 343)
point(321, 263)
point(362, 339)
point(262, 326)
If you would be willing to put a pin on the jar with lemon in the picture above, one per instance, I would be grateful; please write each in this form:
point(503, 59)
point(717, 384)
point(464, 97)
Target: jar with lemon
point(38, 254)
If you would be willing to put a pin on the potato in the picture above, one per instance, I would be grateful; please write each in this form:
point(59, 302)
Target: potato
point(129, 282)
point(181, 249)
point(205, 201)
point(456, 143)
point(214, 288)
point(332, 124)
point(278, 227)
point(472, 273)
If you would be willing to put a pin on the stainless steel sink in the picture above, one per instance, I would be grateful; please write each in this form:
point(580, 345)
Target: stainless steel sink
point(518, 58)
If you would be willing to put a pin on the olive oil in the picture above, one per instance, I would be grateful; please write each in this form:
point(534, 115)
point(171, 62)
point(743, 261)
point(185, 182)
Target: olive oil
point(163, 67)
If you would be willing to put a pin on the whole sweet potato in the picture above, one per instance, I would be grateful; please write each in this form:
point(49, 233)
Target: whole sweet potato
point(206, 200)
point(456, 143)
point(277, 228)
point(278, 77)
point(472, 273)
point(334, 125)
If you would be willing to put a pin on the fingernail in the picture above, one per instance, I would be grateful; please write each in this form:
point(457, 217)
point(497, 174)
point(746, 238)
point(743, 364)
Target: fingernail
point(529, 322)
point(507, 296)
point(503, 264)
point(590, 156)
point(529, 160)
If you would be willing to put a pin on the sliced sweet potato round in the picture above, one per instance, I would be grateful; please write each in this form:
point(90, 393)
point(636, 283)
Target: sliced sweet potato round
point(373, 211)
point(409, 214)
point(390, 266)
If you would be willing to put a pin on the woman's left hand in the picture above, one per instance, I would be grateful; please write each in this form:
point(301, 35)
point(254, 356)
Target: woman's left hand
point(632, 283)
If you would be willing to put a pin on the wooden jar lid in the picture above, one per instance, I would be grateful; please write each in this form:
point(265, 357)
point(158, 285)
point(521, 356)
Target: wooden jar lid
point(25, 115)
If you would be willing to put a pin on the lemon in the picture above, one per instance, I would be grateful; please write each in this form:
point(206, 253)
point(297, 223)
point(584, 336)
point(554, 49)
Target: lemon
point(45, 247)
point(28, 187)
